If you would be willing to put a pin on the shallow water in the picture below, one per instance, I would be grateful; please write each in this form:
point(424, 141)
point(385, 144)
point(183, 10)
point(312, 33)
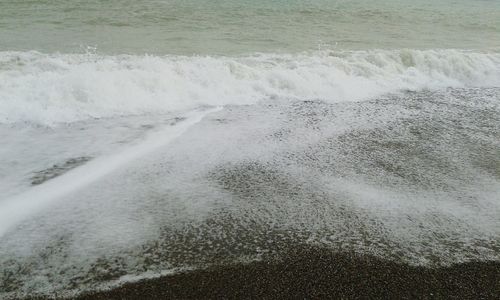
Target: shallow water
point(398, 177)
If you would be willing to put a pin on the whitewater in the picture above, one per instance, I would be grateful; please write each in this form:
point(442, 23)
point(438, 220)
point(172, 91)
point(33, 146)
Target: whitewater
point(48, 89)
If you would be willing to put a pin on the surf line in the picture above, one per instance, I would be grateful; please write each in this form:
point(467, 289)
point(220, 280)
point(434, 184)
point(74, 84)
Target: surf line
point(19, 207)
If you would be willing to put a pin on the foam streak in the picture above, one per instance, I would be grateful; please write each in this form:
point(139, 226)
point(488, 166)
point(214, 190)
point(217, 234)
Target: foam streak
point(19, 207)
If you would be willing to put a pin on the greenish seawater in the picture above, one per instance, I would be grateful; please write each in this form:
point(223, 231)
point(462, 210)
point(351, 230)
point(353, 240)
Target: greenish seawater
point(243, 26)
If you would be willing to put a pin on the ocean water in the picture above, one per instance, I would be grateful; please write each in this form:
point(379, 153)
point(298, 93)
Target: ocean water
point(139, 138)
point(238, 26)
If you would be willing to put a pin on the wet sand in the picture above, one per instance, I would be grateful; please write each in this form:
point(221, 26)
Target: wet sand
point(319, 273)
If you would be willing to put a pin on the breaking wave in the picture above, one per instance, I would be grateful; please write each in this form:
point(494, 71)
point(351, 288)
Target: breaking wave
point(48, 89)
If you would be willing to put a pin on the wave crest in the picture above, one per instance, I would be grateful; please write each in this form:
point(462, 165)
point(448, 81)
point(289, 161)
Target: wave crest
point(55, 88)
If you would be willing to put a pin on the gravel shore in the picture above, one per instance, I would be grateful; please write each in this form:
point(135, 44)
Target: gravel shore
point(319, 273)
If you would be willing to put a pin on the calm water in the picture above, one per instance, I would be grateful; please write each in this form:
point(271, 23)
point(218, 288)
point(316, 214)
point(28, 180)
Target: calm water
point(239, 26)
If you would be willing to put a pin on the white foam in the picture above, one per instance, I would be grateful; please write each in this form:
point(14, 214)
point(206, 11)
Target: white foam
point(52, 88)
point(265, 169)
point(19, 207)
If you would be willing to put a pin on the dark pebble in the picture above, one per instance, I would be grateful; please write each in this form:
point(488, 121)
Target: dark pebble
point(313, 273)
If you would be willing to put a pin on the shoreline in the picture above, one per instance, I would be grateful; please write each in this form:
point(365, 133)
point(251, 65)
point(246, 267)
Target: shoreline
point(318, 273)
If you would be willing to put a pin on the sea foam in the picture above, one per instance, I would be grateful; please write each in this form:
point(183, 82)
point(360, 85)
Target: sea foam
point(48, 89)
point(19, 207)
